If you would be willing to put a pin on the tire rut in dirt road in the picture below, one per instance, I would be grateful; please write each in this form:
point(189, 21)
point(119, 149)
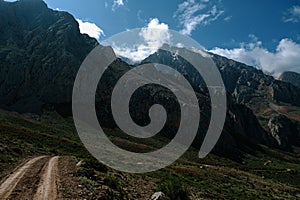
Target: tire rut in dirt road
point(7, 187)
point(27, 186)
point(47, 188)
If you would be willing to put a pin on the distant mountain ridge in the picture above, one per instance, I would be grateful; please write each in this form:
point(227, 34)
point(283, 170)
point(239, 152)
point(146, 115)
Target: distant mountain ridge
point(247, 84)
point(290, 77)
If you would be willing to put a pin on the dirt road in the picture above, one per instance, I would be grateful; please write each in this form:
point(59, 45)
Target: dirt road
point(36, 179)
point(47, 188)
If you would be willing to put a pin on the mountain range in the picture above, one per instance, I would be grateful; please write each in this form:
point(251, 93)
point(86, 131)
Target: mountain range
point(41, 51)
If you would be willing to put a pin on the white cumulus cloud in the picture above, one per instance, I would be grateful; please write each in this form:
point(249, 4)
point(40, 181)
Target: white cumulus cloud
point(192, 13)
point(155, 34)
point(90, 28)
point(293, 15)
point(117, 3)
point(285, 58)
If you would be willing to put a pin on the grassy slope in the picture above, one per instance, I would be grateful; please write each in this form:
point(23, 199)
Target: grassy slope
point(268, 175)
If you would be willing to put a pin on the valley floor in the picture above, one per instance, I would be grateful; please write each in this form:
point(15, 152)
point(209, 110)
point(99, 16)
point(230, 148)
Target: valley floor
point(69, 172)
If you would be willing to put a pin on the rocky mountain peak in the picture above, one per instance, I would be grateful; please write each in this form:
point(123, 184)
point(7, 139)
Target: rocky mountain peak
point(40, 53)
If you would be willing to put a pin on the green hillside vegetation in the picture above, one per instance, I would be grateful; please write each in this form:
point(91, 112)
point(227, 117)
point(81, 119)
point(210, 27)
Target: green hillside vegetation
point(270, 174)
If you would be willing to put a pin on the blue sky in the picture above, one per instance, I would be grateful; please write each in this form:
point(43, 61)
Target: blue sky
point(264, 33)
point(239, 19)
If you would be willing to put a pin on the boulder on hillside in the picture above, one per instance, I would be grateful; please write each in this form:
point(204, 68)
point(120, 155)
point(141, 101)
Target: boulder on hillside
point(159, 196)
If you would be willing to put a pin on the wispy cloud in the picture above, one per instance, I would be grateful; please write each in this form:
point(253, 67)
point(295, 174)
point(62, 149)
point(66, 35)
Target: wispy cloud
point(285, 58)
point(90, 28)
point(228, 18)
point(117, 3)
point(292, 15)
point(154, 35)
point(192, 13)
point(139, 13)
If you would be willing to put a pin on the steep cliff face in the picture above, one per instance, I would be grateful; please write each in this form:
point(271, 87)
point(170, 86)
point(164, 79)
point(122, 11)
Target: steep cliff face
point(290, 77)
point(252, 87)
point(40, 53)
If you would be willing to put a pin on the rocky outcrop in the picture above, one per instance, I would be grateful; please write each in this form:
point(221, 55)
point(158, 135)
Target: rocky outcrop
point(283, 131)
point(290, 77)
